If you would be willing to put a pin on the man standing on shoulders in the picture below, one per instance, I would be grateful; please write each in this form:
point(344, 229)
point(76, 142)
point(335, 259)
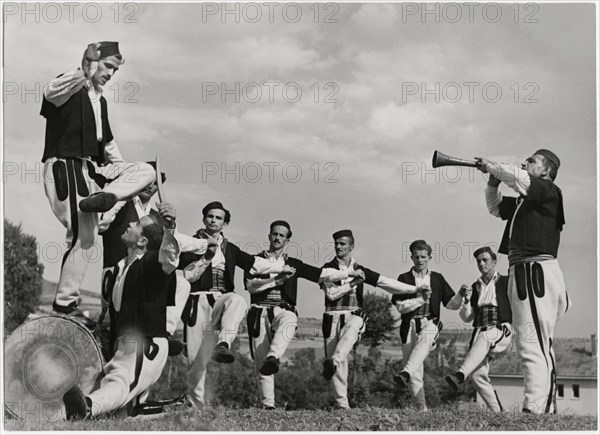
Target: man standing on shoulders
point(344, 317)
point(485, 303)
point(213, 312)
point(420, 325)
point(272, 319)
point(536, 286)
point(78, 140)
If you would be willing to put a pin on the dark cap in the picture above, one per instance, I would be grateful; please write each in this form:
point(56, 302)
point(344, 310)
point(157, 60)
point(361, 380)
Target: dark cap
point(550, 156)
point(109, 48)
point(283, 224)
point(342, 233)
point(483, 250)
point(216, 205)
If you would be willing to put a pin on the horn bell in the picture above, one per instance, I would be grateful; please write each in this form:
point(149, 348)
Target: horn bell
point(441, 159)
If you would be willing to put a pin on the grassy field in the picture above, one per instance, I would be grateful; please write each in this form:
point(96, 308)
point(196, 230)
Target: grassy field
point(447, 418)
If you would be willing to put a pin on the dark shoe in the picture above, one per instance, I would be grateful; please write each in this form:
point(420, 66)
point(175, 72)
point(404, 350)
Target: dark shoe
point(98, 202)
point(402, 379)
point(222, 354)
point(270, 366)
point(329, 369)
point(73, 311)
point(175, 346)
point(269, 408)
point(76, 404)
point(454, 381)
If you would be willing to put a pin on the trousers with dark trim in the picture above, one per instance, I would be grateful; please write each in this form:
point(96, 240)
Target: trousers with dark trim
point(420, 340)
point(136, 365)
point(485, 342)
point(341, 331)
point(68, 181)
point(538, 299)
point(270, 331)
point(208, 318)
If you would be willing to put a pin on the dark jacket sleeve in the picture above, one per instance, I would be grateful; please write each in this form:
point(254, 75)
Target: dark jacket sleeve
point(243, 260)
point(307, 271)
point(447, 292)
point(507, 207)
point(371, 277)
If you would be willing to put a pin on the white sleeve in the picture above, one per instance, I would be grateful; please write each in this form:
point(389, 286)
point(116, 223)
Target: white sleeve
point(493, 198)
point(60, 89)
point(455, 303)
point(112, 153)
point(191, 244)
point(168, 256)
point(262, 266)
point(258, 285)
point(466, 313)
point(395, 287)
point(408, 305)
point(334, 292)
point(329, 274)
point(511, 175)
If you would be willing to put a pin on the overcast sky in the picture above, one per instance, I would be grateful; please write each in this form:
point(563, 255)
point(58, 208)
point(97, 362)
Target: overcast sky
point(327, 116)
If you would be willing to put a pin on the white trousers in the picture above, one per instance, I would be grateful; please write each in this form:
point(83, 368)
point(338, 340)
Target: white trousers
point(414, 351)
point(273, 341)
point(485, 343)
point(74, 183)
point(337, 347)
point(129, 374)
point(212, 325)
point(538, 299)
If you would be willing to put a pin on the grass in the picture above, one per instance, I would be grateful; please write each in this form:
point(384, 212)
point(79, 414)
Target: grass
point(445, 418)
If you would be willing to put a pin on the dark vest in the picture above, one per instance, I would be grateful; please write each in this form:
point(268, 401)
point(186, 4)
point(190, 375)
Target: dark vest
point(289, 288)
point(441, 293)
point(114, 250)
point(504, 311)
point(234, 256)
point(371, 279)
point(147, 292)
point(71, 128)
point(539, 221)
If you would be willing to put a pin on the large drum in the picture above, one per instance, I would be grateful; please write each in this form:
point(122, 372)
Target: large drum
point(43, 358)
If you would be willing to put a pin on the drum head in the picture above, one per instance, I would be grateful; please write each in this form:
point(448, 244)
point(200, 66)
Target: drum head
point(43, 358)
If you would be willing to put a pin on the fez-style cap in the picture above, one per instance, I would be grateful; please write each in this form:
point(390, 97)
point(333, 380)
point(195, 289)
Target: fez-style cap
point(109, 48)
point(550, 156)
point(215, 205)
point(163, 176)
point(342, 233)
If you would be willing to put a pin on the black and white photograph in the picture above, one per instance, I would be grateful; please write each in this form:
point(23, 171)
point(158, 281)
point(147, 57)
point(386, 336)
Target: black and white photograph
point(300, 216)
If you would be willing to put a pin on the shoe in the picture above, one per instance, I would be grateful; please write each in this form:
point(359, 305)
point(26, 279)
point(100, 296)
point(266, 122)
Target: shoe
point(454, 381)
point(76, 404)
point(222, 354)
point(270, 366)
point(73, 311)
point(175, 346)
point(402, 379)
point(269, 408)
point(329, 369)
point(99, 202)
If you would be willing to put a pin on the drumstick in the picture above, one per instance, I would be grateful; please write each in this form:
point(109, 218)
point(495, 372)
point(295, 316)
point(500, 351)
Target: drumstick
point(161, 191)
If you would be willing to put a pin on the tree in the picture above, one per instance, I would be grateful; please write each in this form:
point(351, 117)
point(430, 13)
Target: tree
point(22, 276)
point(382, 322)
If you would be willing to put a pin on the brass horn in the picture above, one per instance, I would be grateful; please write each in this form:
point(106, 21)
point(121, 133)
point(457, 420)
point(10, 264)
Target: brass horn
point(441, 159)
